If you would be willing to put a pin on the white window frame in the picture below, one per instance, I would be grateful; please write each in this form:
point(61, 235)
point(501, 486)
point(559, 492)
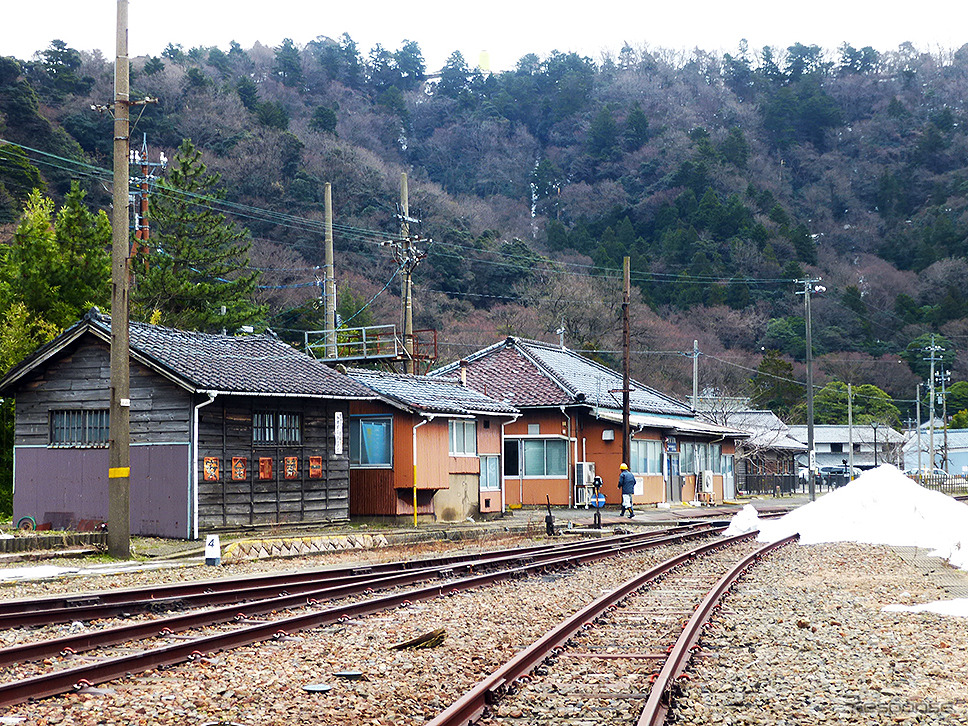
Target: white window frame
point(458, 430)
point(487, 485)
point(543, 440)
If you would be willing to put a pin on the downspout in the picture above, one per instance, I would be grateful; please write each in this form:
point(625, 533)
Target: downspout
point(203, 404)
point(571, 483)
point(425, 421)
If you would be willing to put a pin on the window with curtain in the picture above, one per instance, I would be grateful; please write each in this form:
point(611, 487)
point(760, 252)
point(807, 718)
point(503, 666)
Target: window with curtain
point(646, 457)
point(371, 441)
point(716, 458)
point(490, 473)
point(545, 457)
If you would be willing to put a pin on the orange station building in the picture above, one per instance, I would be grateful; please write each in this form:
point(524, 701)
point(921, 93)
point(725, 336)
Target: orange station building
point(570, 430)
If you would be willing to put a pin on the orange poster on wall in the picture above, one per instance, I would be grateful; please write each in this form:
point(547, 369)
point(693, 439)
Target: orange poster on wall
point(210, 468)
point(240, 468)
point(265, 467)
point(291, 467)
point(315, 467)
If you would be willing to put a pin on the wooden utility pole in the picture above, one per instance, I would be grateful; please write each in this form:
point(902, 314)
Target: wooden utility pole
point(329, 278)
point(119, 462)
point(626, 346)
point(810, 286)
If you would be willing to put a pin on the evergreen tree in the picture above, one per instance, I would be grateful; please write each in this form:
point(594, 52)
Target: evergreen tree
point(636, 128)
point(773, 386)
point(57, 268)
point(288, 66)
point(199, 260)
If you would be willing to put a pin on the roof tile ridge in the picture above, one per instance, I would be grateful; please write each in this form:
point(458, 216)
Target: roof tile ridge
point(546, 371)
point(476, 355)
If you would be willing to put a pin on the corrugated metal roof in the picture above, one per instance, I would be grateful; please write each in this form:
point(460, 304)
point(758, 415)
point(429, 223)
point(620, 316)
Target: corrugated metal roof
point(438, 395)
point(862, 433)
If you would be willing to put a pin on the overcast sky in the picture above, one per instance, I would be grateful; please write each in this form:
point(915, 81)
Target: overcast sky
point(505, 29)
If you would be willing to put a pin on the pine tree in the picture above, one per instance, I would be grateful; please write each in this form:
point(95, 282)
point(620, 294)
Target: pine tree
point(198, 261)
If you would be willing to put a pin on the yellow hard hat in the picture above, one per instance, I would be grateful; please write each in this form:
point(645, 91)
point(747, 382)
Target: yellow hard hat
point(624, 466)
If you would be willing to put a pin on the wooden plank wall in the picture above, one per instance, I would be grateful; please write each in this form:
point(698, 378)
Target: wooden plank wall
point(160, 410)
point(225, 431)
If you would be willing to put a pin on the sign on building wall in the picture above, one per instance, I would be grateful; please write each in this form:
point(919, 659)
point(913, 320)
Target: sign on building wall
point(265, 468)
point(291, 467)
point(315, 467)
point(210, 468)
point(338, 432)
point(240, 466)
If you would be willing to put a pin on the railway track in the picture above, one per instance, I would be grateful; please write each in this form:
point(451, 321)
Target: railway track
point(618, 659)
point(132, 647)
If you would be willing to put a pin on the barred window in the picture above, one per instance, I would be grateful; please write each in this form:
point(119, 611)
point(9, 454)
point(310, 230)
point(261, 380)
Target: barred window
point(269, 427)
point(84, 427)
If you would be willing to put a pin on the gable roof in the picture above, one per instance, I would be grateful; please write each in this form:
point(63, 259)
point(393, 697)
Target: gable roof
point(260, 365)
point(528, 373)
point(838, 433)
point(766, 430)
point(439, 395)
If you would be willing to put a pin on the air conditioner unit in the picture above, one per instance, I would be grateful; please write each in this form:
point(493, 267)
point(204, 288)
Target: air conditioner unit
point(707, 481)
point(584, 473)
point(584, 478)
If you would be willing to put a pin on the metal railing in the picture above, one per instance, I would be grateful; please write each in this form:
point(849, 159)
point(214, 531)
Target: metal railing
point(770, 484)
point(942, 482)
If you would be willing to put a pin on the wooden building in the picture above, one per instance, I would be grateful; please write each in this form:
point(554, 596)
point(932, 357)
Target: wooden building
point(570, 429)
point(429, 440)
point(226, 431)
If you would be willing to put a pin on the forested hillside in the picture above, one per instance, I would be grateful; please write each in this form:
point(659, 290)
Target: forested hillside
point(723, 178)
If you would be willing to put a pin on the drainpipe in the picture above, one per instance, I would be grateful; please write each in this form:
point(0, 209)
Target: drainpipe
point(425, 421)
point(203, 404)
point(571, 483)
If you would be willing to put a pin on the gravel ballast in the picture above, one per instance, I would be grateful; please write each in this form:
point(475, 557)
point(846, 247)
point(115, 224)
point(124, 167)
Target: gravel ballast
point(801, 640)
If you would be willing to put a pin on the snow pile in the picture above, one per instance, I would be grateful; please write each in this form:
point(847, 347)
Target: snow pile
point(746, 520)
point(882, 506)
point(957, 607)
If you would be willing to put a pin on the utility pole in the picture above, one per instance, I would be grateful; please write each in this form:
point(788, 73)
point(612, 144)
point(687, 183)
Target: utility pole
point(810, 286)
point(142, 226)
point(626, 347)
point(850, 433)
point(408, 256)
point(329, 278)
point(119, 461)
point(932, 349)
point(695, 376)
point(945, 376)
point(917, 402)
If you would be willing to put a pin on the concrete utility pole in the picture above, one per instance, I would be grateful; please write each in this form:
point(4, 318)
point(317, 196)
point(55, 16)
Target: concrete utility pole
point(810, 286)
point(945, 376)
point(917, 402)
point(932, 349)
point(329, 278)
point(695, 376)
point(407, 256)
point(626, 348)
point(119, 462)
point(850, 433)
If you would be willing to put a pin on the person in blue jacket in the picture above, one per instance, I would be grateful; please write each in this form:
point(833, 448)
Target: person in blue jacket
point(626, 482)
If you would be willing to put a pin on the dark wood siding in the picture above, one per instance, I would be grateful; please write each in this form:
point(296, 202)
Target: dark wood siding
point(160, 410)
point(225, 431)
point(73, 481)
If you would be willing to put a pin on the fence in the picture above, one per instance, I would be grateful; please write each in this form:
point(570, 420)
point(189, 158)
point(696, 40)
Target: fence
point(943, 483)
point(769, 484)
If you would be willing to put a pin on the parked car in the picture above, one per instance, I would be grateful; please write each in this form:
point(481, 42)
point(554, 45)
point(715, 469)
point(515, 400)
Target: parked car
point(931, 475)
point(836, 476)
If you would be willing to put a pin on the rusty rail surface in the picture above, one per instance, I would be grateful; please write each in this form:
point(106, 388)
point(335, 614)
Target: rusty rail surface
point(205, 593)
point(472, 704)
point(657, 705)
point(68, 679)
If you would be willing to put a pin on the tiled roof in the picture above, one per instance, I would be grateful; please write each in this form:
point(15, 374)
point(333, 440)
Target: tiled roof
point(259, 364)
point(530, 373)
point(766, 430)
point(435, 395)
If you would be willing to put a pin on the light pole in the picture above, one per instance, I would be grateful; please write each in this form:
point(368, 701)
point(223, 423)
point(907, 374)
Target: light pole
point(810, 286)
point(874, 426)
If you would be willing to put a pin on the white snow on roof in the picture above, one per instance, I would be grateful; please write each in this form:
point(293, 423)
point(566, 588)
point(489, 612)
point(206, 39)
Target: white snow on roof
point(882, 506)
